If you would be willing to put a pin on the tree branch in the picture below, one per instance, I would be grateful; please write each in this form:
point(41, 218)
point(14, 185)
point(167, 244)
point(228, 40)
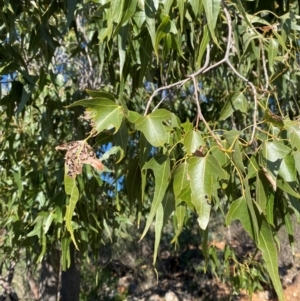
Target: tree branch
point(207, 68)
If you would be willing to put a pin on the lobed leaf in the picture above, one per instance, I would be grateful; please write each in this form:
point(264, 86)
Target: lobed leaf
point(152, 127)
point(102, 110)
point(203, 173)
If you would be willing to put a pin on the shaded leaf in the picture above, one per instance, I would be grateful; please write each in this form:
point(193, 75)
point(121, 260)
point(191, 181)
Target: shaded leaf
point(236, 101)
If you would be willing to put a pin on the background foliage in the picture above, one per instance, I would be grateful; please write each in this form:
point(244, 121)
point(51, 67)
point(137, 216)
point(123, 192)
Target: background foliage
point(192, 106)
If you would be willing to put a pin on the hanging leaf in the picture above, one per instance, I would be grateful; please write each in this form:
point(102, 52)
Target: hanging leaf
point(180, 214)
point(163, 213)
point(239, 210)
point(102, 111)
point(233, 143)
point(192, 141)
point(203, 173)
point(212, 9)
point(180, 176)
point(152, 127)
point(272, 53)
point(236, 101)
point(293, 130)
point(71, 190)
point(160, 166)
point(121, 140)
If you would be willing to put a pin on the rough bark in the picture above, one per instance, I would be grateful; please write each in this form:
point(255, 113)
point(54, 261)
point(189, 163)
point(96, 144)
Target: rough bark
point(5, 283)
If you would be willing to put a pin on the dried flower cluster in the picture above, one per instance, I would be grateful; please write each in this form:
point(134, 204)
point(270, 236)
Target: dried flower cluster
point(78, 153)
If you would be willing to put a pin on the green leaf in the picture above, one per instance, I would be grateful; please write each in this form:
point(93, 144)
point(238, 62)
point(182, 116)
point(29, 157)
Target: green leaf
point(152, 127)
point(71, 190)
point(133, 116)
point(236, 101)
point(180, 4)
point(113, 151)
point(269, 253)
point(233, 142)
point(104, 113)
point(164, 211)
point(284, 186)
point(162, 30)
point(203, 173)
point(262, 190)
point(203, 45)
point(160, 166)
point(293, 130)
point(273, 119)
point(273, 151)
point(167, 6)
point(179, 217)
point(150, 10)
point(192, 141)
point(180, 175)
point(212, 9)
point(196, 6)
point(272, 53)
point(133, 181)
point(129, 10)
point(48, 221)
point(65, 249)
point(287, 169)
point(116, 7)
point(71, 5)
point(239, 210)
point(122, 39)
point(159, 219)
point(121, 140)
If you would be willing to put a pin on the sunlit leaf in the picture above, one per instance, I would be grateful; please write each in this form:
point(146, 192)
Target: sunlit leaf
point(272, 52)
point(293, 130)
point(152, 127)
point(71, 190)
point(233, 143)
point(160, 165)
point(104, 113)
point(212, 9)
point(203, 172)
point(239, 210)
point(192, 141)
point(162, 215)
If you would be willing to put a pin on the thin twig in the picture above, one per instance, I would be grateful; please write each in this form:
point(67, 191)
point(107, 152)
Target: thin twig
point(263, 58)
point(178, 83)
point(200, 116)
point(207, 68)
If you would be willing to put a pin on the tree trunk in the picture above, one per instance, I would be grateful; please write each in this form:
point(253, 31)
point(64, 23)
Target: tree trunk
point(49, 280)
point(70, 279)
